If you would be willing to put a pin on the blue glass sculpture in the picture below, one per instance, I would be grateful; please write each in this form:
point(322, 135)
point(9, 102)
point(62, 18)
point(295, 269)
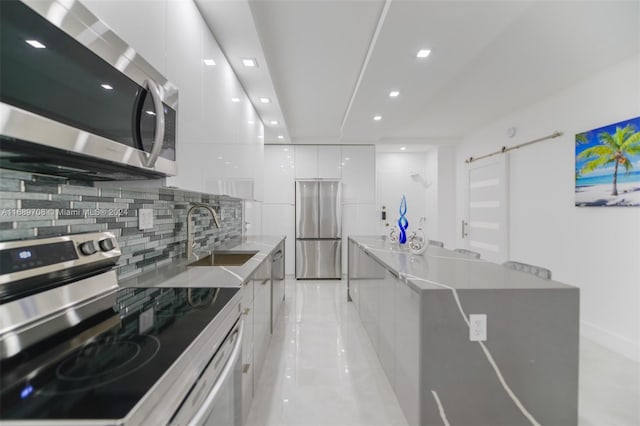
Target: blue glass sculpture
point(403, 223)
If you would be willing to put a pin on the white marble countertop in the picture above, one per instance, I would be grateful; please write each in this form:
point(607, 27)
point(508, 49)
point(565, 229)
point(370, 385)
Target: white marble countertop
point(439, 268)
point(178, 274)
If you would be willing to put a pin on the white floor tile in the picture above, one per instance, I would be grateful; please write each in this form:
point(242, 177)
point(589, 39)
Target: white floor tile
point(321, 370)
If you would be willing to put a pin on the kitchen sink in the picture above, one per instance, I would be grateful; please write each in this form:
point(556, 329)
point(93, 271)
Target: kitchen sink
point(225, 258)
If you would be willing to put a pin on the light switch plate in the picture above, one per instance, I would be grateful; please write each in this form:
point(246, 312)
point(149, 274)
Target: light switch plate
point(478, 327)
point(145, 219)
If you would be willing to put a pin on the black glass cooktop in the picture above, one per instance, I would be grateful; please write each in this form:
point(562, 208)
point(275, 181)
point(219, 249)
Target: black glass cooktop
point(101, 368)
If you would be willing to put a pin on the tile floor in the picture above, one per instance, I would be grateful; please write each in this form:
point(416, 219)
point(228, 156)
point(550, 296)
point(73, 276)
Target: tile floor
point(322, 370)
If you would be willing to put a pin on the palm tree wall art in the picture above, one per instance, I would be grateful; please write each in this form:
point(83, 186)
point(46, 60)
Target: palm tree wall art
point(607, 169)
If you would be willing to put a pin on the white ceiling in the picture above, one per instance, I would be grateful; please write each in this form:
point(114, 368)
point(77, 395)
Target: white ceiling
point(329, 65)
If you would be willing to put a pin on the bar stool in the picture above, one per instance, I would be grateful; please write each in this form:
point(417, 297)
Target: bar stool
point(538, 271)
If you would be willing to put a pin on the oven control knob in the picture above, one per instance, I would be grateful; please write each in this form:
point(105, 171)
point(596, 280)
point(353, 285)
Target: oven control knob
point(106, 244)
point(88, 248)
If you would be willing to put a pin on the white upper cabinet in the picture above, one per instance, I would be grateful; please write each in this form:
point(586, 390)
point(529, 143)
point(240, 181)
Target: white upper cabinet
point(317, 161)
point(126, 17)
point(306, 159)
point(185, 28)
point(220, 149)
point(358, 174)
point(329, 162)
point(279, 174)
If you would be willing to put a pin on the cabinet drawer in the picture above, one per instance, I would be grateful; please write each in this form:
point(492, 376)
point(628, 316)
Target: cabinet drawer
point(247, 390)
point(247, 293)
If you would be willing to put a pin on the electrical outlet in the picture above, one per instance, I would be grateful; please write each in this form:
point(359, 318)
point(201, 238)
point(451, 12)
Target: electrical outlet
point(145, 219)
point(478, 327)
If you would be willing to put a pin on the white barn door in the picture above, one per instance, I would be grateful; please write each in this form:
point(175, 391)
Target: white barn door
point(487, 225)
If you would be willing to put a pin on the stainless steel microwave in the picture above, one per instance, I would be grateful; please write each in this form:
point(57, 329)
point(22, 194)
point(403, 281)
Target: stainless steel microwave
point(76, 100)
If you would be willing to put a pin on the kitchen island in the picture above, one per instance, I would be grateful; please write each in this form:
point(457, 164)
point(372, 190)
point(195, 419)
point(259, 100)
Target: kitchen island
point(518, 365)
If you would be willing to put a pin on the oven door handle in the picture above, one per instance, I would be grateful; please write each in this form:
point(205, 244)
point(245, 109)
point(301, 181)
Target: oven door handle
point(207, 404)
point(149, 160)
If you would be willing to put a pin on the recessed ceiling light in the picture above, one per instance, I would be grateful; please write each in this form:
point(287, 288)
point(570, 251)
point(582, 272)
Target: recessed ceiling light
point(286, 149)
point(251, 122)
point(36, 44)
point(150, 112)
point(347, 158)
point(423, 53)
point(377, 117)
point(274, 122)
point(249, 62)
point(265, 100)
point(403, 148)
point(235, 99)
point(106, 86)
point(220, 157)
point(209, 62)
point(227, 162)
point(394, 94)
point(280, 137)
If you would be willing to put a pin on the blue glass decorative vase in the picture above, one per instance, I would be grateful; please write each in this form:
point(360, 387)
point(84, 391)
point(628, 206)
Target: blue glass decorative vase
point(403, 222)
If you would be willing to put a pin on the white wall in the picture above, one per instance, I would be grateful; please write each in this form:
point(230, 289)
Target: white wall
point(596, 249)
point(446, 180)
point(431, 195)
point(394, 180)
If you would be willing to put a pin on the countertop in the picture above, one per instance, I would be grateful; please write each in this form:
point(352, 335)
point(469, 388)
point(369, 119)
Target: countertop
point(439, 268)
point(178, 274)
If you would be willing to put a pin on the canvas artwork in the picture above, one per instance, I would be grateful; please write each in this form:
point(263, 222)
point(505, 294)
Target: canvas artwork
point(608, 165)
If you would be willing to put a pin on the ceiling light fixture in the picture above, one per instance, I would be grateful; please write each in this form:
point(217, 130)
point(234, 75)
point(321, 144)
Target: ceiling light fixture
point(286, 149)
point(394, 94)
point(150, 112)
point(209, 62)
point(377, 117)
point(423, 53)
point(106, 86)
point(36, 44)
point(280, 137)
point(249, 62)
point(403, 148)
point(265, 100)
point(251, 122)
point(235, 99)
point(274, 122)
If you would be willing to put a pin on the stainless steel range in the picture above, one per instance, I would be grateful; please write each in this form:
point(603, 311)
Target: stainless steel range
point(77, 349)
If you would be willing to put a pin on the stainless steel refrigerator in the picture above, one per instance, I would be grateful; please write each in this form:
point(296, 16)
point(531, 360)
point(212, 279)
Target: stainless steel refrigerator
point(318, 229)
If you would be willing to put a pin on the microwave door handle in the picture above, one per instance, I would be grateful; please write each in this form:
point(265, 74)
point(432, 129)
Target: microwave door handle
point(149, 160)
point(207, 404)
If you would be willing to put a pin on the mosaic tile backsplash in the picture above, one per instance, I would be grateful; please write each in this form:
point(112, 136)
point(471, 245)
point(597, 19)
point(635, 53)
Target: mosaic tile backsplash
point(33, 206)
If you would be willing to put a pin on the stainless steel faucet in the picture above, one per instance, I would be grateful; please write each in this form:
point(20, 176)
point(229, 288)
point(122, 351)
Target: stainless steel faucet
point(190, 242)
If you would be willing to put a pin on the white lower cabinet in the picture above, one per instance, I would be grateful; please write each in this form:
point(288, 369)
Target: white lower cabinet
point(256, 314)
point(247, 349)
point(390, 312)
point(406, 330)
